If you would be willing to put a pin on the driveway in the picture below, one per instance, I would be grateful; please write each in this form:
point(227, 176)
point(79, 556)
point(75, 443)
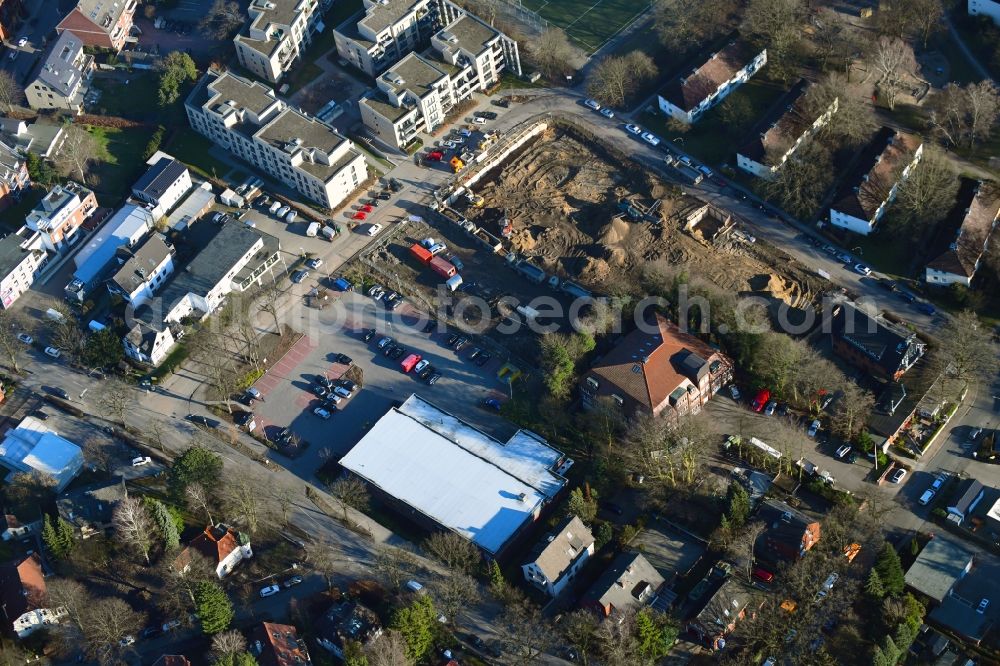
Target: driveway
point(287, 387)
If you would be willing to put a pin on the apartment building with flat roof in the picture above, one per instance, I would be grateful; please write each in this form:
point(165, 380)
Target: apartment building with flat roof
point(277, 34)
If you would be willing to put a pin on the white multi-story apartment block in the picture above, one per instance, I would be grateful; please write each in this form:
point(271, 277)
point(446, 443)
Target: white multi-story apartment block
point(989, 8)
point(163, 185)
point(61, 80)
point(277, 34)
point(416, 93)
point(687, 98)
point(142, 270)
point(247, 119)
point(782, 131)
point(863, 197)
point(389, 30)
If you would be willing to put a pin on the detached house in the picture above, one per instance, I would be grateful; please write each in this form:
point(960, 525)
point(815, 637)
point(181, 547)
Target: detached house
point(788, 533)
point(223, 547)
point(23, 601)
point(142, 270)
point(346, 622)
point(61, 79)
point(630, 582)
point(280, 645)
point(89, 510)
point(103, 23)
point(865, 194)
point(657, 369)
point(966, 234)
point(163, 185)
point(781, 132)
point(722, 612)
point(688, 96)
point(885, 350)
point(560, 557)
point(967, 497)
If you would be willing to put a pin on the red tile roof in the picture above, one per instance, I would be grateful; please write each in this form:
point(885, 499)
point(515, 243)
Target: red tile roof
point(687, 92)
point(22, 586)
point(172, 660)
point(979, 206)
point(216, 542)
point(281, 645)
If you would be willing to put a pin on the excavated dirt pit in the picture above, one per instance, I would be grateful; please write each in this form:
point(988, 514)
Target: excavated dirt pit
point(562, 196)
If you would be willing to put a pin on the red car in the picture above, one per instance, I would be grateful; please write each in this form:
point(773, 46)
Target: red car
point(367, 208)
point(435, 156)
point(761, 400)
point(763, 575)
point(360, 215)
point(407, 363)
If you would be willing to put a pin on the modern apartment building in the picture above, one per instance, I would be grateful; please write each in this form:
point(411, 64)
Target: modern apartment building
point(389, 30)
point(864, 195)
point(103, 23)
point(789, 124)
point(21, 257)
point(277, 34)
point(688, 96)
point(247, 119)
point(60, 82)
point(58, 216)
point(416, 93)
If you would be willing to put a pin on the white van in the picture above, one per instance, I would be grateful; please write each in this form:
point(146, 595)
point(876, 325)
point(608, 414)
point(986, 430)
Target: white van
point(274, 207)
point(415, 587)
point(312, 229)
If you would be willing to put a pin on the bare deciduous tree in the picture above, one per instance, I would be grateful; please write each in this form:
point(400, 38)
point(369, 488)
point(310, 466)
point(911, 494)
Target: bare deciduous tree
point(966, 344)
point(10, 325)
point(227, 644)
point(454, 595)
point(682, 25)
point(350, 493)
point(223, 19)
point(525, 633)
point(893, 61)
point(454, 551)
point(579, 628)
point(243, 500)
point(616, 78)
point(854, 121)
point(926, 196)
point(106, 622)
point(393, 564)
point(79, 149)
point(552, 53)
point(389, 649)
point(71, 596)
point(799, 185)
point(617, 640)
point(11, 94)
point(851, 407)
point(133, 525)
point(117, 398)
point(776, 25)
point(199, 498)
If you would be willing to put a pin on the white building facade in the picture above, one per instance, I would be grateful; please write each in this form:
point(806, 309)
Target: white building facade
point(687, 98)
point(563, 555)
point(248, 120)
point(277, 34)
point(21, 259)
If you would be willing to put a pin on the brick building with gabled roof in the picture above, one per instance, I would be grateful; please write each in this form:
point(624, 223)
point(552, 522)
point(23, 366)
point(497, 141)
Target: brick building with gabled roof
point(279, 645)
point(965, 235)
point(103, 23)
point(884, 349)
point(221, 545)
point(657, 369)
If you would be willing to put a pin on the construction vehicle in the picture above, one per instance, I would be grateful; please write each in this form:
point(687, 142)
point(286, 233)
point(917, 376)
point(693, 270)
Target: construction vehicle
point(475, 199)
point(456, 164)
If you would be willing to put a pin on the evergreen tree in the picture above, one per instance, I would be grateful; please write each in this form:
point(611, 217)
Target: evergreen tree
point(581, 506)
point(416, 623)
point(739, 505)
point(196, 465)
point(66, 534)
point(874, 586)
point(655, 635)
point(890, 570)
point(214, 608)
point(164, 522)
point(245, 659)
point(497, 581)
point(603, 535)
point(58, 537)
point(354, 654)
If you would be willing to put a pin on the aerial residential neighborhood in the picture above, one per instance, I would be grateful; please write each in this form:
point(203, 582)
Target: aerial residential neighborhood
point(499, 332)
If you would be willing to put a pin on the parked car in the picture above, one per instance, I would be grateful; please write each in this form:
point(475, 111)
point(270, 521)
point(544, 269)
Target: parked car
point(294, 580)
point(607, 113)
point(813, 428)
point(343, 392)
point(734, 392)
point(491, 404)
point(25, 338)
point(254, 393)
point(651, 138)
point(479, 120)
point(373, 229)
point(770, 407)
point(323, 414)
point(763, 575)
point(634, 130)
point(171, 625)
point(419, 367)
point(383, 342)
point(926, 497)
point(343, 358)
point(397, 352)
point(761, 400)
point(269, 590)
point(426, 372)
point(141, 460)
point(314, 263)
point(299, 276)
point(862, 270)
point(53, 352)
point(592, 104)
point(897, 476)
point(347, 384)
point(843, 451)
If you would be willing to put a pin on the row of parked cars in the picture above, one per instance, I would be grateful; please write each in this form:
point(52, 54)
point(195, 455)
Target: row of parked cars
point(411, 362)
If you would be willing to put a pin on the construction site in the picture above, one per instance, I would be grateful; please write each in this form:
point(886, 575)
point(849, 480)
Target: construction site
point(584, 212)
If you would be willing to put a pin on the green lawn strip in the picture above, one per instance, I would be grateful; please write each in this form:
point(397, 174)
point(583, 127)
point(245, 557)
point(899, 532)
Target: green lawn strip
point(604, 20)
point(885, 254)
point(193, 149)
point(120, 158)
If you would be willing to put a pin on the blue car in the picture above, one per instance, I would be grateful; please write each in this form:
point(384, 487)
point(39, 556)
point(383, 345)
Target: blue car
point(491, 404)
point(926, 308)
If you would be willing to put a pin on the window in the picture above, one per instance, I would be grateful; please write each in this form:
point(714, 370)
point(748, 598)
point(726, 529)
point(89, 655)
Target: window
point(617, 398)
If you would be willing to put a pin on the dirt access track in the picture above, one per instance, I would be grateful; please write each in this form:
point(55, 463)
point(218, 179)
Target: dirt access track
point(562, 195)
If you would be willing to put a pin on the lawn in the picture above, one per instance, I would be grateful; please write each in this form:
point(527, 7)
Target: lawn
point(711, 139)
point(120, 159)
point(192, 148)
point(588, 23)
point(885, 254)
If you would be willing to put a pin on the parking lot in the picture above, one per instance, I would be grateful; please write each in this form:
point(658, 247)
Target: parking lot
point(287, 387)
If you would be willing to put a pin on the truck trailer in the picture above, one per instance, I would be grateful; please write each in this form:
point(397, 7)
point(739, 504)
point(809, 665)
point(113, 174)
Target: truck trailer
point(422, 254)
point(442, 267)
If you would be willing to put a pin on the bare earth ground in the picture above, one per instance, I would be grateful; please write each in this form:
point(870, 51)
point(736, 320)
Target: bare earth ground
point(561, 196)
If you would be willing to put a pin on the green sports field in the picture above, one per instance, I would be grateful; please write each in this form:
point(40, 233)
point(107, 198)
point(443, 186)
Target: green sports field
point(589, 23)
